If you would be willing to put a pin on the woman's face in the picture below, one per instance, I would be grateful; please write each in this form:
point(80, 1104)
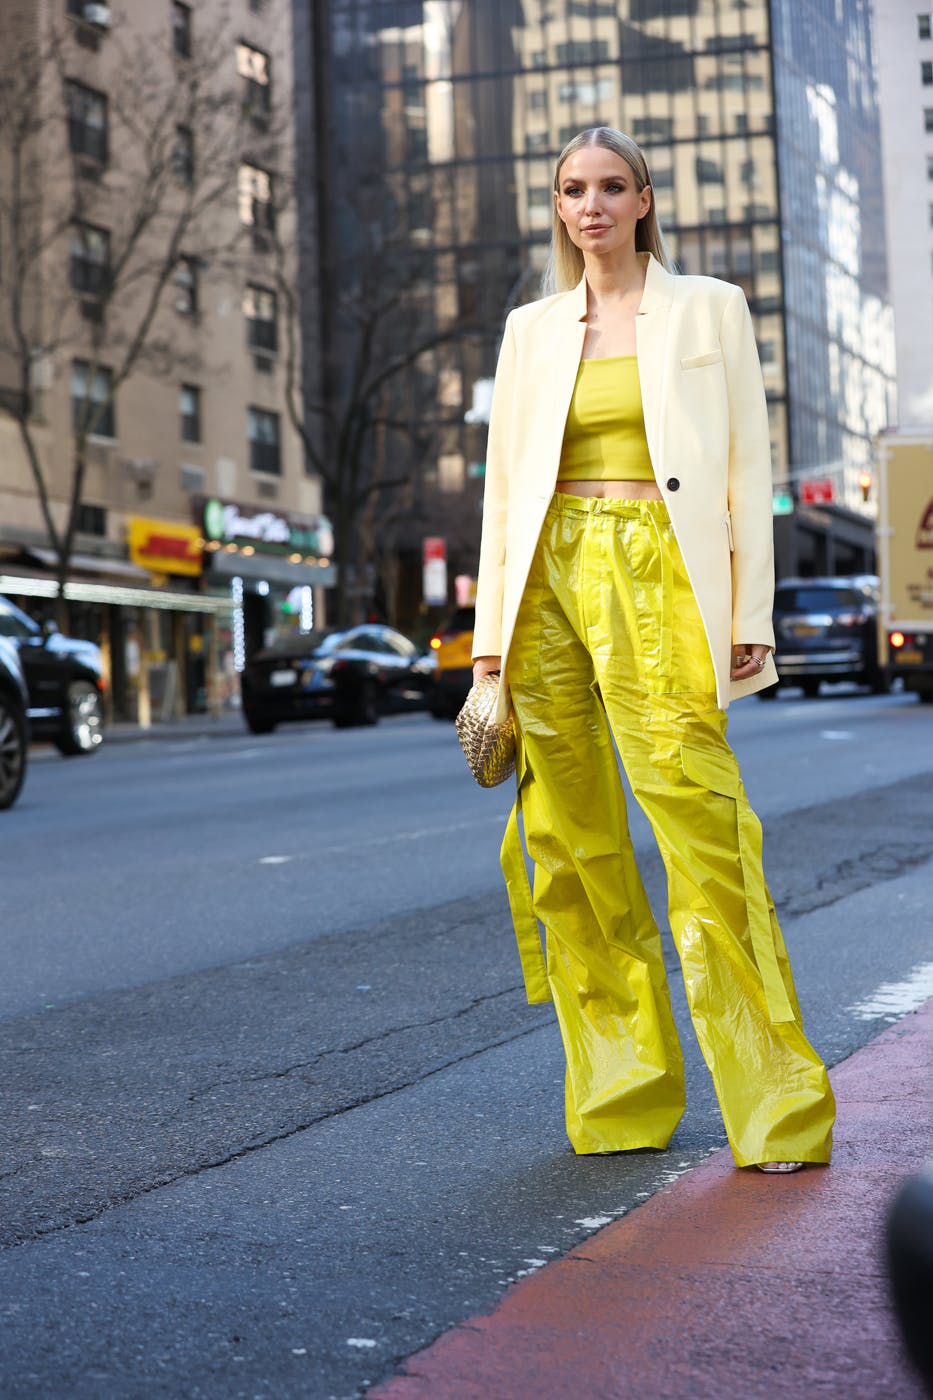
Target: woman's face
point(598, 200)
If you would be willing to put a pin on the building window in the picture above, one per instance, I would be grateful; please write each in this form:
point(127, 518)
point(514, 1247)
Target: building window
point(264, 451)
point(89, 266)
point(537, 100)
point(87, 122)
point(92, 406)
point(930, 167)
point(183, 155)
point(924, 26)
point(928, 118)
point(260, 310)
point(540, 196)
point(582, 51)
point(181, 29)
point(91, 520)
point(186, 287)
point(255, 189)
point(189, 412)
point(709, 172)
point(253, 67)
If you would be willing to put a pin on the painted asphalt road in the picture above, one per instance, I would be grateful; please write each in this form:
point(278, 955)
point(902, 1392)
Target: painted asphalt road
point(158, 858)
point(249, 1155)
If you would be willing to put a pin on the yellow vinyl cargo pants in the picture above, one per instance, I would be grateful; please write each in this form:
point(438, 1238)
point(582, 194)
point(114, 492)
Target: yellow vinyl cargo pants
point(609, 644)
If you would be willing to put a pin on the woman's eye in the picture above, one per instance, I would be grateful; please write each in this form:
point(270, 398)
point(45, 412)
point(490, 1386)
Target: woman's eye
point(614, 188)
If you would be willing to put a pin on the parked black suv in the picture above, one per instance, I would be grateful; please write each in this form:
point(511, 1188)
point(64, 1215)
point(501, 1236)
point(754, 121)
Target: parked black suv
point(14, 731)
point(65, 681)
point(826, 630)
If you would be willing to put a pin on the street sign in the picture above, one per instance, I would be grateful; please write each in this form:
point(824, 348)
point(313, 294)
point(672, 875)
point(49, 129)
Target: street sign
point(782, 503)
point(434, 570)
point(820, 492)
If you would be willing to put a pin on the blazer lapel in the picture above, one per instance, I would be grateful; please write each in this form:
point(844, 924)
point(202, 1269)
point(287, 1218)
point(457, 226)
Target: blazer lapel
point(652, 321)
point(564, 346)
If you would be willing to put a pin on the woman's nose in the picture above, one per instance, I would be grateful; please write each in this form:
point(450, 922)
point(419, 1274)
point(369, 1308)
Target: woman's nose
point(592, 201)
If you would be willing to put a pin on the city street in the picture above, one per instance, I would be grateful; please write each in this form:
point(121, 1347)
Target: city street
point(276, 1111)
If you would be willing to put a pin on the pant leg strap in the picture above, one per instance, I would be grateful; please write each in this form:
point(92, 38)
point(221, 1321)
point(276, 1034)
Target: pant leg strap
point(759, 915)
point(524, 919)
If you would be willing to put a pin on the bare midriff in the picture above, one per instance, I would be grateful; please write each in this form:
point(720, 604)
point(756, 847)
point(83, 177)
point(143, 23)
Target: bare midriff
point(612, 490)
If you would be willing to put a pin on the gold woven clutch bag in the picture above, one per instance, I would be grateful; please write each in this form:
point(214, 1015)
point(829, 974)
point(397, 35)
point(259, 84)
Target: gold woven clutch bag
point(489, 747)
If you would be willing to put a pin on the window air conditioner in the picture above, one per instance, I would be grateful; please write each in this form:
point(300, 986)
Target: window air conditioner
point(98, 14)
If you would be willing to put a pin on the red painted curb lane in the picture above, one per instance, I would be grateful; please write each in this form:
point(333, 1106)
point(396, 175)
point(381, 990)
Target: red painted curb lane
point(726, 1284)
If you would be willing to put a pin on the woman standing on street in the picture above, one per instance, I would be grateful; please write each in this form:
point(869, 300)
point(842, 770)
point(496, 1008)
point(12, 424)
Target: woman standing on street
point(625, 591)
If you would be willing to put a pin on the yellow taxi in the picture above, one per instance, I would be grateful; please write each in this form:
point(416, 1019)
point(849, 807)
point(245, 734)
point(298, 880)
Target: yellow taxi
point(452, 645)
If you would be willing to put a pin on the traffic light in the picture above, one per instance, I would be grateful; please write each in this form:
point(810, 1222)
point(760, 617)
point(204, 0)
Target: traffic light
point(864, 480)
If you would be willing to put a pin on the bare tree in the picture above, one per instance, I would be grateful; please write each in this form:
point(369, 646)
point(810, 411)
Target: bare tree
point(376, 423)
point(108, 203)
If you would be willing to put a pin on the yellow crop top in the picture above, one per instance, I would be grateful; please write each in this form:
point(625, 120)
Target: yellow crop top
point(604, 437)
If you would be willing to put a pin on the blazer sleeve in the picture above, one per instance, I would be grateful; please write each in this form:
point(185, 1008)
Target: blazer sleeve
point(487, 632)
point(749, 478)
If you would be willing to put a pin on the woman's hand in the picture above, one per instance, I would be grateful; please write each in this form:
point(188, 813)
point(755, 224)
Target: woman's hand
point(484, 664)
point(748, 659)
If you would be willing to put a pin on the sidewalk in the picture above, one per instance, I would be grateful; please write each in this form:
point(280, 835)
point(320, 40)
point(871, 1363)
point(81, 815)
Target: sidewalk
point(726, 1284)
point(229, 724)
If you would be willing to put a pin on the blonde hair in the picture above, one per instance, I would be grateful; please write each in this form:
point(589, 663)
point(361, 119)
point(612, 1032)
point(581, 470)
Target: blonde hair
point(565, 262)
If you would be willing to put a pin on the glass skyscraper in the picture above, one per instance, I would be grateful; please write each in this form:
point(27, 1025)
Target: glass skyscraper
point(759, 125)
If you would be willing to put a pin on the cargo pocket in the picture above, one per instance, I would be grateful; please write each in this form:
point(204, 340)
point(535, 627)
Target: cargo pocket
point(720, 774)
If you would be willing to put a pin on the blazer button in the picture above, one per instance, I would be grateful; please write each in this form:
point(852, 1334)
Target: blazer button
point(673, 484)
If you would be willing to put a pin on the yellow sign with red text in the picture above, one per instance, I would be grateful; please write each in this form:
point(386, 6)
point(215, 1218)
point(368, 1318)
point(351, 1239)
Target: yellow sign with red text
point(164, 547)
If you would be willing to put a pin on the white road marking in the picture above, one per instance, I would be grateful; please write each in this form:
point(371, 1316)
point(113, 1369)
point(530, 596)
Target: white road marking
point(360, 1342)
point(836, 734)
point(894, 999)
point(275, 860)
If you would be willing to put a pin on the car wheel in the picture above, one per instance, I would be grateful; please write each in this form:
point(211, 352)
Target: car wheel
point(879, 682)
point(12, 752)
point(357, 706)
point(810, 688)
point(83, 726)
point(926, 697)
point(769, 692)
point(256, 724)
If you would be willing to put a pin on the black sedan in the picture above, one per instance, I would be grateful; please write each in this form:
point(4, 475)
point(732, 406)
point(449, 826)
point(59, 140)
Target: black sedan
point(65, 680)
point(826, 629)
point(14, 731)
point(351, 677)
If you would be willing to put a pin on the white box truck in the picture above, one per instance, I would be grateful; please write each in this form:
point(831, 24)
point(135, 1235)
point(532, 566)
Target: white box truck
point(904, 461)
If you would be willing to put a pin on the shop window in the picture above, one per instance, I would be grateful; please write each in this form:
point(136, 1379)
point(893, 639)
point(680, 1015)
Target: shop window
point(89, 263)
point(264, 442)
point(189, 412)
point(87, 122)
point(926, 73)
point(92, 406)
point(928, 118)
point(261, 311)
point(924, 26)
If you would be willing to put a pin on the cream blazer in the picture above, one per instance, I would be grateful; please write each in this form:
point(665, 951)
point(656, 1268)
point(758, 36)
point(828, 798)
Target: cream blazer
point(706, 421)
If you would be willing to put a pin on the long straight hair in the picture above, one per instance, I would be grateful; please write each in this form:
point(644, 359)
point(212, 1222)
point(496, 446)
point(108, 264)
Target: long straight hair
point(565, 262)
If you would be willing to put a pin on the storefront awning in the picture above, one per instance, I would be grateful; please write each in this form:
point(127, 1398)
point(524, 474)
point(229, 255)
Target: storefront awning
point(32, 586)
point(270, 567)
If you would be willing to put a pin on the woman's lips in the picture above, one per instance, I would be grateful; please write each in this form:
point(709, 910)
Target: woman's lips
point(596, 228)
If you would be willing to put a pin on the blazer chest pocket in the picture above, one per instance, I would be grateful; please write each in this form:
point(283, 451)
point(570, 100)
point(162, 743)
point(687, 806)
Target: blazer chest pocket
point(712, 357)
